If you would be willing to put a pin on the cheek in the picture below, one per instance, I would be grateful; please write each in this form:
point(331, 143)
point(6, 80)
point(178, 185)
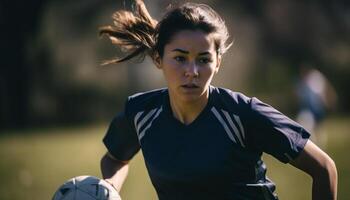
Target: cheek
point(171, 70)
point(209, 71)
point(172, 66)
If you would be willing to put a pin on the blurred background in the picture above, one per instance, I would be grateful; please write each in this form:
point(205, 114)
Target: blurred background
point(56, 100)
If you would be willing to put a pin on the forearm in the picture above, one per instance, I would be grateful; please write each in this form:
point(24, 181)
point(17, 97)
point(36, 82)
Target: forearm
point(321, 168)
point(324, 185)
point(114, 171)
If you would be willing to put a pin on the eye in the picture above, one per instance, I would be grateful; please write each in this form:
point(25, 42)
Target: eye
point(180, 58)
point(205, 60)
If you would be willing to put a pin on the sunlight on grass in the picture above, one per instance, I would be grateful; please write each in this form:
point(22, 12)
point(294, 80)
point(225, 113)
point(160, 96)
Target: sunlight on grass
point(35, 162)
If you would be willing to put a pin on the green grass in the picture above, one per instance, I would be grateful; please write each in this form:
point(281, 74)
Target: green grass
point(34, 163)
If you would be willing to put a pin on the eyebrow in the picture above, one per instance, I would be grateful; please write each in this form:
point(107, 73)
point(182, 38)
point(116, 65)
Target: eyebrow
point(186, 52)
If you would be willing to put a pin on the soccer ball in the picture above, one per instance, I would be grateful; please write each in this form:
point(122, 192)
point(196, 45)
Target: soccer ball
point(86, 188)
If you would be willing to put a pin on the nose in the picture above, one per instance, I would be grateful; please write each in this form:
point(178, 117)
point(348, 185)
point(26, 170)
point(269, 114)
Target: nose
point(192, 70)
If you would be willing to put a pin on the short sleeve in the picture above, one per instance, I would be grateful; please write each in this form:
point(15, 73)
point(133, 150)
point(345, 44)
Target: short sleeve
point(272, 132)
point(121, 139)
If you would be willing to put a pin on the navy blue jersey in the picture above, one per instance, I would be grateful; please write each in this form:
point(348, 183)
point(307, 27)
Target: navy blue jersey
point(217, 156)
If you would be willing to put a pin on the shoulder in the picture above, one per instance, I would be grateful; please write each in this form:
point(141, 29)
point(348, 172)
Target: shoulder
point(147, 95)
point(143, 101)
point(227, 99)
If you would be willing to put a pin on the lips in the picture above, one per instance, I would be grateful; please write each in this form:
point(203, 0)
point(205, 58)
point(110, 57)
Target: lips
point(190, 86)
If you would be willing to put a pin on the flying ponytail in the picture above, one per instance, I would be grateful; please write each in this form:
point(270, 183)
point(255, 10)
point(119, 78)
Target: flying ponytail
point(133, 32)
point(138, 34)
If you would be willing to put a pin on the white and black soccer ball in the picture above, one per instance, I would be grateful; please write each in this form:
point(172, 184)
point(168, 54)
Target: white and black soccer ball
point(86, 188)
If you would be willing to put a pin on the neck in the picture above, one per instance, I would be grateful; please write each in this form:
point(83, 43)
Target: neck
point(186, 112)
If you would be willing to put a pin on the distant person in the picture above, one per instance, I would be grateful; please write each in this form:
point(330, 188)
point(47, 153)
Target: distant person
point(316, 97)
point(200, 141)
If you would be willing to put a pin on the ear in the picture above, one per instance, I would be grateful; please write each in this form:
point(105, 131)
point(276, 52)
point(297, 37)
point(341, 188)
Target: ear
point(218, 63)
point(157, 61)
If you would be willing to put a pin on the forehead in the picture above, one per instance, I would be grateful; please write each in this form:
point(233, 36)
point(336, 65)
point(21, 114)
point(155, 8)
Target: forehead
point(194, 41)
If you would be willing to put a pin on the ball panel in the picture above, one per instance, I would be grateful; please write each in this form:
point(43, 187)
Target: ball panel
point(86, 188)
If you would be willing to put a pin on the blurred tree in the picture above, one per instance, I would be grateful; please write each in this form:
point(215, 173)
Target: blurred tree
point(50, 55)
point(19, 21)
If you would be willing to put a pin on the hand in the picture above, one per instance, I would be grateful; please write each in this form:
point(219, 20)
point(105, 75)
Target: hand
point(109, 181)
point(114, 195)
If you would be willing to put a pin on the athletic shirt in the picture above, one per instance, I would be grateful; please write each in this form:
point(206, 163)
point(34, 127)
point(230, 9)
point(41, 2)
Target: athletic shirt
point(217, 156)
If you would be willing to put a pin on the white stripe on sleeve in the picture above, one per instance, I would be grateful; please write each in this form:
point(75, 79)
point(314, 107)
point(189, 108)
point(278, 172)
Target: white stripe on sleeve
point(223, 123)
point(150, 123)
point(238, 120)
point(143, 121)
point(233, 126)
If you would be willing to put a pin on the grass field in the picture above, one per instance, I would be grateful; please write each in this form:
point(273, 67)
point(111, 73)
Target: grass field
point(34, 163)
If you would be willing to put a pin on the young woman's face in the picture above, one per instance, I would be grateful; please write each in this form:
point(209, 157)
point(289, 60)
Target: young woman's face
point(189, 64)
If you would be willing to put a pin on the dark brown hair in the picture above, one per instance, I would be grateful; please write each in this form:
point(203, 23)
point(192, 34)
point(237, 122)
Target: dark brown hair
point(138, 34)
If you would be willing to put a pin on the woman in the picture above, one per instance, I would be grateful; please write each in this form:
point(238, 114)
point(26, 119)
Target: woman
point(200, 141)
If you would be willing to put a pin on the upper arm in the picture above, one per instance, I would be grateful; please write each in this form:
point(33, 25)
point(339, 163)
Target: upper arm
point(274, 133)
point(121, 139)
point(313, 160)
